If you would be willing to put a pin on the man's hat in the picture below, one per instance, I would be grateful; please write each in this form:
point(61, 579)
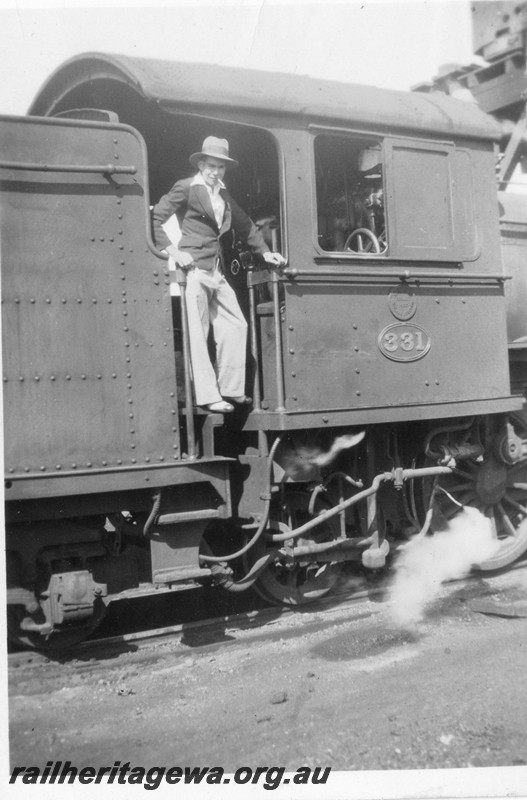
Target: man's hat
point(216, 148)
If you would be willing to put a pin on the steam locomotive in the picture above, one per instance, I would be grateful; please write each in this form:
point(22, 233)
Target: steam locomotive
point(379, 356)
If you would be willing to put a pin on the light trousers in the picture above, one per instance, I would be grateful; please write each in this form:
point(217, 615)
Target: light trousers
point(211, 301)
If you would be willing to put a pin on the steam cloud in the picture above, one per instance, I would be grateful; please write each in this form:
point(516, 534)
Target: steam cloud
point(299, 462)
point(425, 563)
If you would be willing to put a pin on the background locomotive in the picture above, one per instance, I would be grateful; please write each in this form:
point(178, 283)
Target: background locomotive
point(378, 362)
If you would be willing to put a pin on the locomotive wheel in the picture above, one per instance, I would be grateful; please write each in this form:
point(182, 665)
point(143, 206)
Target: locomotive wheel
point(64, 639)
point(297, 583)
point(366, 241)
point(499, 491)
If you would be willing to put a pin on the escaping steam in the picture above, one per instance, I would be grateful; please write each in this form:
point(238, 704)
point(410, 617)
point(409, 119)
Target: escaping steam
point(425, 563)
point(340, 443)
point(299, 462)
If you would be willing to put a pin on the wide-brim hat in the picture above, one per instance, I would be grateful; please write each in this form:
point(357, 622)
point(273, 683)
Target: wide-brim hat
point(216, 148)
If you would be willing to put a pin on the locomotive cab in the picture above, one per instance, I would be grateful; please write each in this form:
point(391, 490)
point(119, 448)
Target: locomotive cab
point(377, 360)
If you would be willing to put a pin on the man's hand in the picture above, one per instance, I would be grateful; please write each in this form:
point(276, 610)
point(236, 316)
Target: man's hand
point(182, 259)
point(276, 259)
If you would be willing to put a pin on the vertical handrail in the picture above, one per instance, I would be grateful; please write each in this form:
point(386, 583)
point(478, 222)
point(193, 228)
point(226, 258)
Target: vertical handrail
point(279, 366)
point(257, 396)
point(181, 278)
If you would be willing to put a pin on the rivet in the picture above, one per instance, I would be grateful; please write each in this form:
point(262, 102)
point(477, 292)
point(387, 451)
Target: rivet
point(129, 386)
point(173, 411)
point(127, 344)
point(147, 459)
point(132, 446)
point(17, 300)
point(114, 375)
point(161, 458)
point(68, 377)
point(104, 463)
point(79, 300)
point(49, 301)
point(88, 463)
point(119, 216)
point(26, 469)
point(63, 300)
point(37, 377)
point(119, 460)
point(134, 460)
point(32, 300)
point(174, 430)
point(43, 468)
point(109, 299)
point(101, 239)
point(325, 419)
point(175, 447)
point(355, 327)
point(155, 272)
point(295, 397)
point(115, 142)
point(5, 379)
point(21, 378)
point(121, 247)
point(293, 374)
point(156, 283)
point(116, 155)
point(92, 238)
point(356, 349)
point(130, 401)
point(111, 239)
point(58, 466)
point(119, 202)
point(291, 328)
point(131, 416)
point(94, 300)
point(132, 430)
point(358, 394)
point(438, 300)
point(427, 383)
point(291, 351)
point(437, 383)
point(120, 233)
point(11, 469)
point(74, 466)
point(357, 371)
point(128, 374)
point(123, 277)
point(99, 376)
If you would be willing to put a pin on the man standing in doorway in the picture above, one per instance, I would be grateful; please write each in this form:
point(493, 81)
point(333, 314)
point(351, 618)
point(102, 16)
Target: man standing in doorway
point(206, 211)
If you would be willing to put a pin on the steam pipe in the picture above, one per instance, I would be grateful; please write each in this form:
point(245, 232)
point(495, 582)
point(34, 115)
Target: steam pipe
point(397, 476)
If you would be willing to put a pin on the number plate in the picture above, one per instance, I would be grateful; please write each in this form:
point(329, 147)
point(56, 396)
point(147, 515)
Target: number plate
point(404, 341)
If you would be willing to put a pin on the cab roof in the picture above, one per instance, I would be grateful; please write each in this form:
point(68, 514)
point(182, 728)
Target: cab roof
point(182, 85)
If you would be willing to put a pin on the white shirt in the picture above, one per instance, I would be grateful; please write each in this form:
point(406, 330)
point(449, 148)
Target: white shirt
point(218, 203)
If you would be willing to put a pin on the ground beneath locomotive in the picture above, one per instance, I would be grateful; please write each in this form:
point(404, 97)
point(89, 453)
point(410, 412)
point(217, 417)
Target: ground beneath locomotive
point(355, 693)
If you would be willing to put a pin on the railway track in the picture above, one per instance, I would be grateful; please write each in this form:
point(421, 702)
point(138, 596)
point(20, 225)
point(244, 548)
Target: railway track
point(213, 633)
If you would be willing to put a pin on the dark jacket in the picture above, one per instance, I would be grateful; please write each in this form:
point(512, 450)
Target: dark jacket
point(200, 234)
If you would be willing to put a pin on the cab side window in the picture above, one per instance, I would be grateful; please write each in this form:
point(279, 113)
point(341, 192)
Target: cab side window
point(350, 195)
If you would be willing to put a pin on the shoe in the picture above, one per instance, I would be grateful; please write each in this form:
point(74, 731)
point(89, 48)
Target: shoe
point(221, 407)
point(240, 401)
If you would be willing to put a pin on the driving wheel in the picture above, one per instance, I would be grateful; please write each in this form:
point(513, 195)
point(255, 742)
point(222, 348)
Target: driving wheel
point(496, 488)
point(295, 582)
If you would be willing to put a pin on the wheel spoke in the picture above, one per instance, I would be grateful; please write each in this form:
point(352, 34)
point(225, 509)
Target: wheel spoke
point(521, 486)
point(506, 520)
point(515, 504)
point(461, 487)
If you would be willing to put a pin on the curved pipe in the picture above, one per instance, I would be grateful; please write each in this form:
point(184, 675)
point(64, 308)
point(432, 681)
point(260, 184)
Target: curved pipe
point(265, 519)
point(396, 475)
